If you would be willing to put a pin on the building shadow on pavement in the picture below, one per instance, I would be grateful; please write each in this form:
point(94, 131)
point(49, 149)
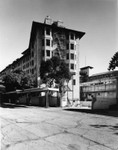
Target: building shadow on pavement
point(11, 105)
point(114, 128)
point(113, 113)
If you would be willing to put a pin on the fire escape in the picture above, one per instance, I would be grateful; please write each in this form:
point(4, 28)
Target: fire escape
point(59, 43)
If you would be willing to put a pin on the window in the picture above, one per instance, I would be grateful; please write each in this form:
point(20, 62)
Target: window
point(48, 53)
point(32, 71)
point(47, 31)
point(72, 56)
point(74, 82)
point(32, 62)
point(47, 42)
point(67, 56)
point(27, 71)
point(72, 46)
point(24, 67)
point(27, 65)
point(72, 36)
point(72, 66)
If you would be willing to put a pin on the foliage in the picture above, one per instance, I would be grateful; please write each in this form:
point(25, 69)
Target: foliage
point(114, 62)
point(83, 77)
point(54, 70)
point(17, 79)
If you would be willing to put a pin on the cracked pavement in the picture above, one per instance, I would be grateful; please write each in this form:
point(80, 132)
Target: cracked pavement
point(56, 129)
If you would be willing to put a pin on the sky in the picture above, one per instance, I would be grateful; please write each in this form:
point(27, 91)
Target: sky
point(97, 18)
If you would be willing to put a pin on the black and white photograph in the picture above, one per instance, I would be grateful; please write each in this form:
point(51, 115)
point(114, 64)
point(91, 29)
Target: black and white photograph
point(58, 75)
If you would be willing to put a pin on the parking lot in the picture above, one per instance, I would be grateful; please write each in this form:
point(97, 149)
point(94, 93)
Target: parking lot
point(54, 128)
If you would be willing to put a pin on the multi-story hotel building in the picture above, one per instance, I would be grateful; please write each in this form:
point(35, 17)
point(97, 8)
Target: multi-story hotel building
point(46, 40)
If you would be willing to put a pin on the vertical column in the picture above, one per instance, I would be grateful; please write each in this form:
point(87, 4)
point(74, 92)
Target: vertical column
point(47, 99)
point(72, 89)
point(77, 75)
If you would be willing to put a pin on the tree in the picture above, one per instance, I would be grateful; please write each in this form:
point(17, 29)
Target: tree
point(114, 62)
point(17, 79)
point(83, 77)
point(55, 70)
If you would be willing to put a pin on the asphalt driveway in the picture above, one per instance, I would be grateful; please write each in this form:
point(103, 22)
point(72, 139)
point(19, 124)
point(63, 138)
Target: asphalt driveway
point(36, 128)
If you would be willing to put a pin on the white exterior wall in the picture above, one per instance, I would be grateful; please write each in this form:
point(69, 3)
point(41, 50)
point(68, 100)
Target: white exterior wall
point(75, 88)
point(76, 77)
point(74, 95)
point(49, 37)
